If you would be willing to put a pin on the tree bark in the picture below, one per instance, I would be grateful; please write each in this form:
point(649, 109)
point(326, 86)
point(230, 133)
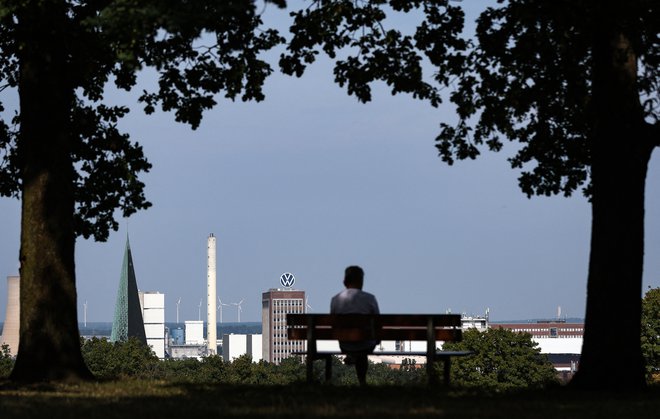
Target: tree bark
point(49, 347)
point(611, 352)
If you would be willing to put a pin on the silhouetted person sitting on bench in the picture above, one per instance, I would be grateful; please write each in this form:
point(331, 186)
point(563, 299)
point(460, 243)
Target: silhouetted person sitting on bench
point(353, 300)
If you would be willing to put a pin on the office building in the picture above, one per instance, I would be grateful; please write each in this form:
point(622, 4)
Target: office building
point(276, 304)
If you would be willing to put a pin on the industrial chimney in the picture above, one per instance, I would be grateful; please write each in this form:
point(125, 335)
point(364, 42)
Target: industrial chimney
point(10, 331)
point(211, 331)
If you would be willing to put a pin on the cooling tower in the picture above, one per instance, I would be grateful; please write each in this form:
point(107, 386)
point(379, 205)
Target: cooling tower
point(211, 326)
point(11, 327)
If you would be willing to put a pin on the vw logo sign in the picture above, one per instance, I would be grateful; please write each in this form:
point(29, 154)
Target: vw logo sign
point(287, 280)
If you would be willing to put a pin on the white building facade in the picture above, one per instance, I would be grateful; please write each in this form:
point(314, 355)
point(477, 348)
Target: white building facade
point(234, 346)
point(153, 315)
point(194, 332)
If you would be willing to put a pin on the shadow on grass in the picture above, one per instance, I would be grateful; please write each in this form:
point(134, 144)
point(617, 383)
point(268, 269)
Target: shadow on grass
point(134, 399)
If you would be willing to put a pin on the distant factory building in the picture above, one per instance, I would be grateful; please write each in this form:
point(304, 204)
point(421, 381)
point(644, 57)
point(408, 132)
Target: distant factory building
point(546, 329)
point(194, 332)
point(127, 321)
point(177, 336)
point(11, 327)
point(481, 323)
point(188, 343)
point(276, 304)
point(234, 346)
point(153, 313)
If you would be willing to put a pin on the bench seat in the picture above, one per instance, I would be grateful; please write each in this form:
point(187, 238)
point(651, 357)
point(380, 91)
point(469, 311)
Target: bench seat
point(360, 327)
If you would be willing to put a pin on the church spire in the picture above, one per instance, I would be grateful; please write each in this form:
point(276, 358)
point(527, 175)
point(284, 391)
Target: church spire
point(128, 314)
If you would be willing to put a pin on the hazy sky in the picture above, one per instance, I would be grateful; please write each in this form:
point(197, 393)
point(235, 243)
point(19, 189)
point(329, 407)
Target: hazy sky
point(310, 181)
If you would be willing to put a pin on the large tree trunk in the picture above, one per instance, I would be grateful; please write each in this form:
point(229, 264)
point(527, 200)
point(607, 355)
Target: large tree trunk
point(49, 347)
point(611, 353)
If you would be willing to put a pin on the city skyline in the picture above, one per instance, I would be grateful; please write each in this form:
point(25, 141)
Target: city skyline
point(309, 181)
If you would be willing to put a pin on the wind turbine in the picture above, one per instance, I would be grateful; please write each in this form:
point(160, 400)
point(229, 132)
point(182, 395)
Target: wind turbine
point(308, 308)
point(238, 308)
point(85, 315)
point(220, 304)
point(177, 310)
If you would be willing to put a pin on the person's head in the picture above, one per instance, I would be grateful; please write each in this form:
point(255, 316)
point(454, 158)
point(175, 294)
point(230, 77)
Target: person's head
point(354, 277)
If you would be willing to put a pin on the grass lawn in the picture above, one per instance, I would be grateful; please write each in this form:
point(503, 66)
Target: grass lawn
point(151, 399)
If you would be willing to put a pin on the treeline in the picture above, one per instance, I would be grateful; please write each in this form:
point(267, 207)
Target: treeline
point(502, 360)
point(132, 359)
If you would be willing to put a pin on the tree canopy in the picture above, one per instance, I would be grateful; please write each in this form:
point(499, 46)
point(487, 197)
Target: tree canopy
point(62, 153)
point(573, 83)
point(527, 76)
point(200, 49)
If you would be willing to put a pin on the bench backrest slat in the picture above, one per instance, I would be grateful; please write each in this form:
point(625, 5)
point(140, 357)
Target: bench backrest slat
point(355, 327)
point(385, 320)
point(447, 335)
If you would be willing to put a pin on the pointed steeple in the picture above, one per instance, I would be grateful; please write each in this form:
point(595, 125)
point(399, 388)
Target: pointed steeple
point(128, 314)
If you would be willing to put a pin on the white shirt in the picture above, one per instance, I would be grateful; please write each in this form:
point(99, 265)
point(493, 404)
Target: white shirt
point(355, 301)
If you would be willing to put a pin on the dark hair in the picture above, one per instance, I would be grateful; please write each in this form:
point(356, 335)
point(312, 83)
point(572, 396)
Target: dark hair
point(354, 277)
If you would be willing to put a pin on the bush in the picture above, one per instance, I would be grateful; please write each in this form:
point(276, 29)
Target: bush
point(407, 373)
point(180, 370)
point(6, 361)
point(108, 360)
point(650, 339)
point(378, 373)
point(502, 360)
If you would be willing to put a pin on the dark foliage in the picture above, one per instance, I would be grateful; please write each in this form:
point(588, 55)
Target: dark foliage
point(131, 359)
point(200, 49)
point(108, 360)
point(6, 361)
point(502, 360)
point(651, 334)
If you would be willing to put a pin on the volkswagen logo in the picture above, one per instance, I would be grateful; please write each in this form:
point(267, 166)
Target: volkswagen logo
point(287, 280)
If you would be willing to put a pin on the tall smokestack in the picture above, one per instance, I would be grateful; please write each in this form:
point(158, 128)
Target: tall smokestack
point(211, 332)
point(10, 331)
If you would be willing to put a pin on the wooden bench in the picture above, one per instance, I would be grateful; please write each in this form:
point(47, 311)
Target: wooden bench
point(359, 327)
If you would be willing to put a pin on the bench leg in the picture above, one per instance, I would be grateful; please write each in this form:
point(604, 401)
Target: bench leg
point(433, 380)
point(328, 368)
point(447, 370)
point(310, 369)
point(430, 373)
